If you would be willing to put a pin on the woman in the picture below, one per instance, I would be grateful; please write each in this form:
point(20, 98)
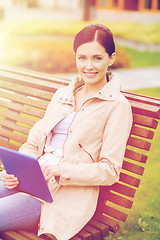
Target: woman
point(80, 142)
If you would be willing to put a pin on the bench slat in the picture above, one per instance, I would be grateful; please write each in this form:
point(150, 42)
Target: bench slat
point(32, 82)
point(12, 235)
point(145, 121)
point(145, 109)
point(84, 235)
point(142, 98)
point(17, 117)
point(103, 228)
point(75, 238)
point(33, 92)
point(21, 99)
point(131, 167)
point(125, 178)
point(142, 132)
point(139, 143)
point(120, 188)
point(22, 109)
point(112, 212)
point(12, 135)
point(15, 126)
point(114, 198)
point(136, 156)
point(96, 235)
point(110, 222)
point(30, 235)
point(29, 73)
point(6, 144)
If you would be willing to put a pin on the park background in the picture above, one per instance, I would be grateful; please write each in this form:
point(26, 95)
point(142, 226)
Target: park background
point(38, 35)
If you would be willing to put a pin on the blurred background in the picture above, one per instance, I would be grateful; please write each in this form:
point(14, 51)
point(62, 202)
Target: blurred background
point(38, 35)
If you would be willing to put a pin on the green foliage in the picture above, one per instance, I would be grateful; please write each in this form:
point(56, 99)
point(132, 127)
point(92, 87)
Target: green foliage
point(48, 56)
point(148, 33)
point(18, 39)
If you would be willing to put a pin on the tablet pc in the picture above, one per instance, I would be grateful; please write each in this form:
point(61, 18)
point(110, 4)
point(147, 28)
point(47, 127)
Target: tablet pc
point(28, 171)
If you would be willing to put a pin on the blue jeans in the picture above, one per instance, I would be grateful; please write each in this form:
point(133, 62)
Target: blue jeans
point(18, 211)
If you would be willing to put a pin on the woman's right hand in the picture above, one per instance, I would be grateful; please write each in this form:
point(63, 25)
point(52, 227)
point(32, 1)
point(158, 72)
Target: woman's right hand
point(9, 180)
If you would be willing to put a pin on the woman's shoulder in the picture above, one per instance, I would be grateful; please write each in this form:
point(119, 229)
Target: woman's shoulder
point(122, 101)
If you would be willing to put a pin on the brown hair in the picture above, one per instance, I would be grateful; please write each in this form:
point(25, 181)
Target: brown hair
point(95, 32)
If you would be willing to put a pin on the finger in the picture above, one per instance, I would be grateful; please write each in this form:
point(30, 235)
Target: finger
point(6, 175)
point(11, 186)
point(48, 177)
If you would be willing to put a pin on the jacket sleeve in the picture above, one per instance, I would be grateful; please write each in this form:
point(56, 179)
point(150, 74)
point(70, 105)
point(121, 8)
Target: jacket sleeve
point(107, 170)
point(33, 143)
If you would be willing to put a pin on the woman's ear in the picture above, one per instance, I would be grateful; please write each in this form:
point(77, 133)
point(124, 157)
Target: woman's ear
point(112, 59)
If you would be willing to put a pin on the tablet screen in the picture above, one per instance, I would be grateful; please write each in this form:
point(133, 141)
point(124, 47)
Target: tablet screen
point(28, 171)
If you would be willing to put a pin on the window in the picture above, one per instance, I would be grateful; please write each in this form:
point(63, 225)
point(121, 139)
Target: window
point(148, 4)
point(115, 3)
point(103, 3)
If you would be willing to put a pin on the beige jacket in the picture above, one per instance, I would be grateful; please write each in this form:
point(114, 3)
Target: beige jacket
point(92, 154)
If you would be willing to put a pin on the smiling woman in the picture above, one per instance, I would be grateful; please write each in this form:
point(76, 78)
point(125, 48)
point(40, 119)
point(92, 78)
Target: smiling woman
point(80, 144)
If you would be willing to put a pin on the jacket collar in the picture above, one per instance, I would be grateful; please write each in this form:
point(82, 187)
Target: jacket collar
point(109, 92)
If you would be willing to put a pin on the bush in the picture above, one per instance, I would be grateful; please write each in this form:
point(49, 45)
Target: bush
point(122, 60)
point(50, 56)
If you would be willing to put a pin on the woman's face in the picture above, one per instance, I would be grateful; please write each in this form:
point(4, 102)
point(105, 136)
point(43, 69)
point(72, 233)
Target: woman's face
point(92, 62)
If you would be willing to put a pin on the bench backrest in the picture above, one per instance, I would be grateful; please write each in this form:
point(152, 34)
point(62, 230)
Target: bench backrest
point(24, 96)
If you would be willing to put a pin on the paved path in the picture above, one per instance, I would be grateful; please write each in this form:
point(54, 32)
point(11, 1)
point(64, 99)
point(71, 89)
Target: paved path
point(139, 78)
point(133, 78)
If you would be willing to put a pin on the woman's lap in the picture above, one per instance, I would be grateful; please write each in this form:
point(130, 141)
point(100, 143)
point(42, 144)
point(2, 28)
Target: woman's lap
point(18, 211)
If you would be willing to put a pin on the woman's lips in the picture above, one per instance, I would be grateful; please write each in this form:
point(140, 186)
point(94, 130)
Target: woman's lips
point(90, 74)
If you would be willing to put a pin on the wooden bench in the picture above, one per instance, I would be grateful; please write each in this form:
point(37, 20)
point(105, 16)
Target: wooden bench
point(24, 96)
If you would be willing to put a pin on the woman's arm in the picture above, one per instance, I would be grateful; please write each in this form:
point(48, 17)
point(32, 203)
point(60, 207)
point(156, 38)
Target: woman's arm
point(33, 142)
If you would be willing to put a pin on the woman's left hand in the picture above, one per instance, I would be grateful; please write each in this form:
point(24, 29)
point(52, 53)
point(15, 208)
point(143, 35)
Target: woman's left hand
point(50, 171)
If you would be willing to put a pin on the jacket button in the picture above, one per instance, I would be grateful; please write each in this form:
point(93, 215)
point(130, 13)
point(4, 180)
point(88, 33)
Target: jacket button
point(67, 179)
point(70, 131)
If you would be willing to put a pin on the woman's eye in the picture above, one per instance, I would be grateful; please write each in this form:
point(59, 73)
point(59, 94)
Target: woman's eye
point(81, 58)
point(97, 58)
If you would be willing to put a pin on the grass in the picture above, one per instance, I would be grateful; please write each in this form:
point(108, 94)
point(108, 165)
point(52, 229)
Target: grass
point(143, 58)
point(144, 218)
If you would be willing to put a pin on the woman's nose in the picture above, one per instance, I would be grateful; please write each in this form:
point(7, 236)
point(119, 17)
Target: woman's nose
point(89, 65)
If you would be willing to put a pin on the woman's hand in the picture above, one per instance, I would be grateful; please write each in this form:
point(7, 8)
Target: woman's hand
point(50, 171)
point(9, 180)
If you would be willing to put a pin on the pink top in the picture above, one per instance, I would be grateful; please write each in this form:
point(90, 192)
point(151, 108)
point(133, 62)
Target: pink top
point(60, 132)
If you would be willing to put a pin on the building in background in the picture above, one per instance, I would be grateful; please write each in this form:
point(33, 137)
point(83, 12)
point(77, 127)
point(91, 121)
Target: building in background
point(60, 4)
point(133, 5)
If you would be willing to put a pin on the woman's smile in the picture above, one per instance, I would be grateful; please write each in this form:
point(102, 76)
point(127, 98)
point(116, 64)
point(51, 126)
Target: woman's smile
point(90, 74)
